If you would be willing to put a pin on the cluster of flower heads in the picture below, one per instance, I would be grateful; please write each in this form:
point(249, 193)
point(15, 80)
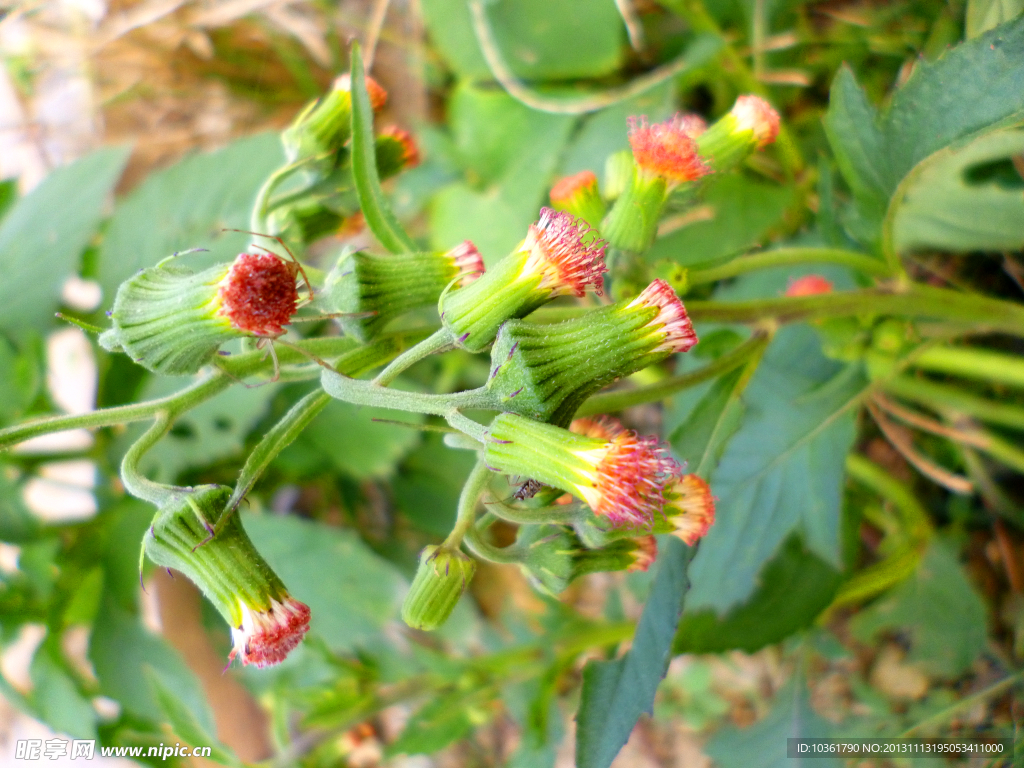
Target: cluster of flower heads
point(266, 637)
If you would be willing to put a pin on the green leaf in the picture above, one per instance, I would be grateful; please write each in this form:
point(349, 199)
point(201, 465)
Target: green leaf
point(374, 205)
point(532, 37)
point(763, 745)
point(940, 611)
point(187, 206)
point(351, 592)
point(183, 722)
point(742, 212)
point(983, 15)
point(428, 484)
point(937, 206)
point(17, 523)
point(701, 439)
point(616, 693)
point(20, 383)
point(214, 430)
point(57, 699)
point(794, 588)
point(436, 725)
point(8, 195)
point(781, 472)
point(121, 650)
point(44, 234)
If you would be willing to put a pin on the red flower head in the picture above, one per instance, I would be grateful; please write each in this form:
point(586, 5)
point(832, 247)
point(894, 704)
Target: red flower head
point(671, 322)
point(378, 96)
point(666, 150)
point(690, 508)
point(468, 261)
point(267, 637)
point(568, 187)
point(258, 294)
point(809, 285)
point(564, 254)
point(753, 113)
point(645, 554)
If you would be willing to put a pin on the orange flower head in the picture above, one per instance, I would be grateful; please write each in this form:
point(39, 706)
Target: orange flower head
point(665, 150)
point(603, 427)
point(258, 295)
point(378, 96)
point(562, 251)
point(690, 124)
point(410, 152)
point(645, 554)
point(691, 508)
point(671, 322)
point(567, 188)
point(809, 285)
point(754, 114)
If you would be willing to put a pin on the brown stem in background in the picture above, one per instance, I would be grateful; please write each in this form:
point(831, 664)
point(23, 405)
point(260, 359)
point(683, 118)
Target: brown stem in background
point(1008, 554)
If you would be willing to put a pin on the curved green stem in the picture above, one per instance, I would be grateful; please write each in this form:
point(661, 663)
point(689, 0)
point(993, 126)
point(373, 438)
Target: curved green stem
point(136, 483)
point(913, 516)
point(360, 392)
point(559, 515)
point(784, 257)
point(964, 704)
point(468, 499)
point(439, 341)
point(260, 210)
point(512, 555)
point(610, 402)
point(943, 397)
point(979, 364)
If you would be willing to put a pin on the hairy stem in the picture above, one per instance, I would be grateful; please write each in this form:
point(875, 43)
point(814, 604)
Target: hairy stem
point(439, 341)
point(784, 257)
point(468, 500)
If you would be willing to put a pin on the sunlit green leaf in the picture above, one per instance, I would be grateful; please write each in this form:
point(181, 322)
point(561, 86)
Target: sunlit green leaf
point(983, 15)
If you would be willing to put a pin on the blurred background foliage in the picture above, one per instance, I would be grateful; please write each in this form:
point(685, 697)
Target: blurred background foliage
point(131, 130)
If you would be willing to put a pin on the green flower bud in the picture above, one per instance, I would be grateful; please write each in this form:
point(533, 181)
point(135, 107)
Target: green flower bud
point(266, 622)
point(618, 170)
point(374, 290)
point(547, 371)
point(440, 580)
point(324, 125)
point(558, 257)
point(170, 320)
point(578, 195)
point(750, 125)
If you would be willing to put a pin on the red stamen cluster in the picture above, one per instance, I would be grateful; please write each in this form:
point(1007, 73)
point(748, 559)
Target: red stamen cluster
point(258, 294)
point(378, 96)
point(602, 428)
point(468, 261)
point(753, 113)
point(567, 188)
point(671, 320)
point(645, 554)
point(410, 152)
point(666, 150)
point(563, 252)
point(809, 285)
point(267, 637)
point(629, 488)
point(692, 508)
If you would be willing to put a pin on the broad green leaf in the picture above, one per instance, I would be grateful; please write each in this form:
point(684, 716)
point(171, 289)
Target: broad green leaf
point(940, 611)
point(184, 723)
point(740, 214)
point(374, 205)
point(188, 206)
point(17, 523)
point(532, 36)
point(782, 471)
point(57, 700)
point(44, 234)
point(763, 745)
point(794, 588)
point(212, 431)
point(351, 591)
point(701, 439)
point(428, 484)
point(983, 15)
point(121, 650)
point(616, 693)
point(22, 377)
point(937, 206)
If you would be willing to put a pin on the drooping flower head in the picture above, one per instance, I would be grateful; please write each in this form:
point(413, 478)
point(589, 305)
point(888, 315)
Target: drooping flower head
point(644, 555)
point(754, 114)
point(396, 151)
point(266, 637)
point(666, 150)
point(809, 285)
point(258, 294)
point(690, 508)
point(378, 96)
point(562, 254)
point(546, 371)
point(671, 322)
point(622, 479)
